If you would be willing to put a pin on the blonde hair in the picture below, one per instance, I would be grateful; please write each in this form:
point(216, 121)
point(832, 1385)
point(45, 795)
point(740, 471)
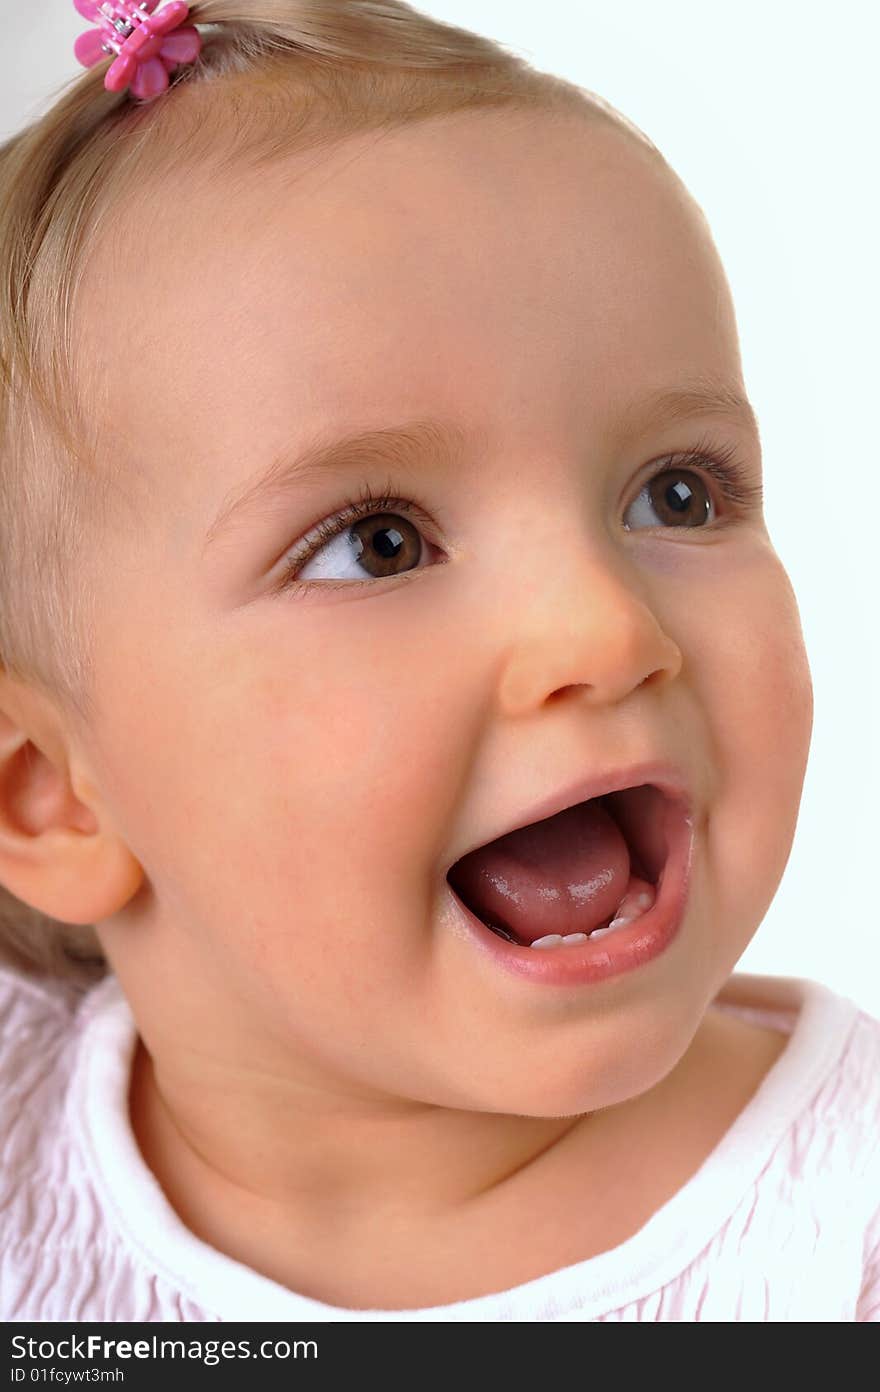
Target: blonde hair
point(274, 77)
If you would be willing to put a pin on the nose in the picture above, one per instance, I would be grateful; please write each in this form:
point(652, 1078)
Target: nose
point(595, 633)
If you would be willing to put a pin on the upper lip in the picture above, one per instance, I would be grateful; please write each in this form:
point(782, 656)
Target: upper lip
point(661, 774)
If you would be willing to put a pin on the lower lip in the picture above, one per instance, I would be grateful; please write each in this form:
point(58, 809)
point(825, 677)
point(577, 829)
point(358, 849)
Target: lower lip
point(621, 951)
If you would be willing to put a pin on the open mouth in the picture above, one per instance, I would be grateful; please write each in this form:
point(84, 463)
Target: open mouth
point(589, 870)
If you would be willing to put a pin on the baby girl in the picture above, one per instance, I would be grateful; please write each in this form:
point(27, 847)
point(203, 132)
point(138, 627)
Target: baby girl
point(403, 712)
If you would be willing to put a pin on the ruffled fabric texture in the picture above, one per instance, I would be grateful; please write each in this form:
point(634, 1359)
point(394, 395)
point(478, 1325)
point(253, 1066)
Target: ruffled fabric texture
point(780, 1224)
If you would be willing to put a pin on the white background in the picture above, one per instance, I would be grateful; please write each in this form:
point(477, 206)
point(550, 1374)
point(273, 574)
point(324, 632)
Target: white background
point(768, 109)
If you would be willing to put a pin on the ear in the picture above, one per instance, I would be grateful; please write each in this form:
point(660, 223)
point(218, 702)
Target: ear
point(59, 850)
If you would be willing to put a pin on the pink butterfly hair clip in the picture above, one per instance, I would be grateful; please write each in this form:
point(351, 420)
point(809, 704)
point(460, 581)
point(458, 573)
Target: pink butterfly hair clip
point(147, 46)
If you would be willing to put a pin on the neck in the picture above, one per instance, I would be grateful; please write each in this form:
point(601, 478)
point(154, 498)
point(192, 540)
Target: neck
point(270, 1144)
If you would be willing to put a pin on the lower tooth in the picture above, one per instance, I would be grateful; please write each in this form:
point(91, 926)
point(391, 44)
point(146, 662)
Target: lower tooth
point(635, 903)
point(556, 939)
point(615, 923)
point(638, 903)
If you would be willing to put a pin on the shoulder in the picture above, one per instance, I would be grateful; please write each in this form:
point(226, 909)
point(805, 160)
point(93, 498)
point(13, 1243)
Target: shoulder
point(39, 1026)
point(833, 1153)
point(828, 1083)
point(26, 998)
point(65, 1251)
point(854, 1117)
point(853, 1108)
point(823, 1080)
point(864, 1051)
point(848, 1101)
point(814, 1119)
point(36, 1015)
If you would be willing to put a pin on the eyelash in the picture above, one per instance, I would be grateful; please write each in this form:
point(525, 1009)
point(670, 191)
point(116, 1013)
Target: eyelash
point(721, 463)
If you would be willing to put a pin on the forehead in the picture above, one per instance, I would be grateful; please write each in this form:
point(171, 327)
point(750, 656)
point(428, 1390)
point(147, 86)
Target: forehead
point(464, 265)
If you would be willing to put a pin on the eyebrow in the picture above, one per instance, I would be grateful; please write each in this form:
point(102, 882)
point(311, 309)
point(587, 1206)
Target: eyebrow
point(413, 444)
point(421, 443)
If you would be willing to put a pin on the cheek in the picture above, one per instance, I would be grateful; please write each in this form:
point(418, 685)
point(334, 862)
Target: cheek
point(758, 699)
point(764, 688)
point(336, 767)
point(365, 733)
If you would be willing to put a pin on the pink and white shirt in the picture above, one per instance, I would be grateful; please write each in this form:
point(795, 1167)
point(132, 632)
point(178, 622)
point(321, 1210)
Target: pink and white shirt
point(780, 1223)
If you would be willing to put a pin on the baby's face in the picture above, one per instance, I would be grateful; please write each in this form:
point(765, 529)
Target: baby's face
point(296, 768)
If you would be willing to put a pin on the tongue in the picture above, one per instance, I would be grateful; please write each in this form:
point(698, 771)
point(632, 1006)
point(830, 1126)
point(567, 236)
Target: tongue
point(566, 874)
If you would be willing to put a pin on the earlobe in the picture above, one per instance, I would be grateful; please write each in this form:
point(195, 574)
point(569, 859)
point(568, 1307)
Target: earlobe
point(58, 853)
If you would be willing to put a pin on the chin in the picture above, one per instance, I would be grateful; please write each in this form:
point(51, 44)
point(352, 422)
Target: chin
point(572, 1086)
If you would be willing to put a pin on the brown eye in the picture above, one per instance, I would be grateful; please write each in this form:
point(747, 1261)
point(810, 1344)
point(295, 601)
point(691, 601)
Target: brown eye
point(385, 544)
point(673, 498)
point(365, 543)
